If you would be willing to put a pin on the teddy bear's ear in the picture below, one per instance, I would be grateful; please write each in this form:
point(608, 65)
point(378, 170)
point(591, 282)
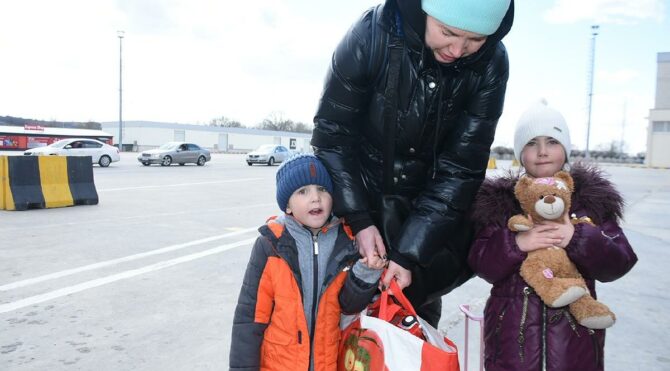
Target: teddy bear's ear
point(565, 176)
point(522, 184)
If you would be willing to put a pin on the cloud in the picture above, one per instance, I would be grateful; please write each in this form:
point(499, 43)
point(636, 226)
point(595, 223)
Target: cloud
point(606, 11)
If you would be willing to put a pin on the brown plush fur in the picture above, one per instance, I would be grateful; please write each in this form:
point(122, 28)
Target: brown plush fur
point(549, 271)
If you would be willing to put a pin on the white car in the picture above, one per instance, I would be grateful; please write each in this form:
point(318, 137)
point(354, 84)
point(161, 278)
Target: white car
point(101, 153)
point(268, 154)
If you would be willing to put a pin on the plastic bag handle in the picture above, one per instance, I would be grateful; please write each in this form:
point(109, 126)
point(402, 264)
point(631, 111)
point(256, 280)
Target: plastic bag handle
point(387, 309)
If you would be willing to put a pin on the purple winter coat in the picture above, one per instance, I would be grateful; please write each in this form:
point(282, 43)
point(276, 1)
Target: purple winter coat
point(520, 332)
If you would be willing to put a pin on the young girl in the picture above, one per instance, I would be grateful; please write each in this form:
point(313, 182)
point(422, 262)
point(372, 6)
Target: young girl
point(520, 332)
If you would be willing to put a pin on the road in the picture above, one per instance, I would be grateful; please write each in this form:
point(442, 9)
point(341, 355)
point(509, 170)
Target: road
point(148, 279)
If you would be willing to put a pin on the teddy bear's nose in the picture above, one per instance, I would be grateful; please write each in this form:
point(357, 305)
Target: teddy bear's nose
point(549, 199)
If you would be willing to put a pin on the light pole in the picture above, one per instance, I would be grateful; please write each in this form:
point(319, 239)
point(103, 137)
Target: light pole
point(594, 33)
point(120, 34)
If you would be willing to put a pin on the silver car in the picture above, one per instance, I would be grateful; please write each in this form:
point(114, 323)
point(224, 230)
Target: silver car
point(175, 152)
point(268, 154)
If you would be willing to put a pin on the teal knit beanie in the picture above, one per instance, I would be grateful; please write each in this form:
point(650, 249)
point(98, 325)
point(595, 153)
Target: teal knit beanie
point(298, 171)
point(479, 16)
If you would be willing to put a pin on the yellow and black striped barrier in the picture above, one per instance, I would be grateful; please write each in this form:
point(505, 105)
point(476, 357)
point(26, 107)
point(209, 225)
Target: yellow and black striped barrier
point(492, 164)
point(38, 182)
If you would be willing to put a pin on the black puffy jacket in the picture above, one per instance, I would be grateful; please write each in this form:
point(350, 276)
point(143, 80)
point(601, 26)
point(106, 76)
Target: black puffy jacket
point(438, 165)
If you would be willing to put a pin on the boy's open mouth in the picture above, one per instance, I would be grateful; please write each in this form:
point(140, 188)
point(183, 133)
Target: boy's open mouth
point(315, 211)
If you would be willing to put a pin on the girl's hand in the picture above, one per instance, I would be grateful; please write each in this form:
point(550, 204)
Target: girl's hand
point(564, 230)
point(542, 236)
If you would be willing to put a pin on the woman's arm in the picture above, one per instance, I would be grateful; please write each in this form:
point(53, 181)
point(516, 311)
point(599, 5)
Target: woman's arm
point(340, 114)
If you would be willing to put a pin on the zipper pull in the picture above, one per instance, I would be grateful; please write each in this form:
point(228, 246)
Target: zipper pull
point(316, 245)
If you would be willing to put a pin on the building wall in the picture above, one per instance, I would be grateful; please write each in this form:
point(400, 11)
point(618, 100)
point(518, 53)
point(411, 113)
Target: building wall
point(658, 141)
point(658, 132)
point(147, 135)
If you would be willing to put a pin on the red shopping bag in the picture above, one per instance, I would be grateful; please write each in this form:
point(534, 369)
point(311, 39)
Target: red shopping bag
point(373, 342)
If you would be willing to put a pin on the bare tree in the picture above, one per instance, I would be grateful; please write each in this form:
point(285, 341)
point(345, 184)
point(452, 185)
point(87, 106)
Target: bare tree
point(226, 122)
point(276, 121)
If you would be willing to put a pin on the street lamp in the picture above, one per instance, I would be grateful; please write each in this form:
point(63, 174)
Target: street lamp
point(594, 33)
point(120, 34)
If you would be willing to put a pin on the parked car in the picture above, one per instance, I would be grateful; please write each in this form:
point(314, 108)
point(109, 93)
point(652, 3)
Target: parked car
point(101, 153)
point(268, 154)
point(175, 152)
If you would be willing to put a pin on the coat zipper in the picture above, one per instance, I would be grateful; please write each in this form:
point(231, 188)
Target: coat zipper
point(315, 284)
point(521, 339)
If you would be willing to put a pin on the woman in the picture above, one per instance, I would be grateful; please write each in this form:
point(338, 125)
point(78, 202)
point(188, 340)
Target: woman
point(450, 89)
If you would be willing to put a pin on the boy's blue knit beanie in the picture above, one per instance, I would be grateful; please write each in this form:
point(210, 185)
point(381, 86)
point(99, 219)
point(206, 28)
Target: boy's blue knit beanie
point(298, 171)
point(479, 16)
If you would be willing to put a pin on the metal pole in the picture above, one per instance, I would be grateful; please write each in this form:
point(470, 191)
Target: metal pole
point(623, 127)
point(120, 34)
point(594, 33)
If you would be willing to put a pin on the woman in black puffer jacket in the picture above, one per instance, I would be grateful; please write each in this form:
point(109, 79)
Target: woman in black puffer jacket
point(450, 93)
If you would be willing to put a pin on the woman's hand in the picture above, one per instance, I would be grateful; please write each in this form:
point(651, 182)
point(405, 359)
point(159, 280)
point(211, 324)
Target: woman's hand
point(396, 272)
point(370, 243)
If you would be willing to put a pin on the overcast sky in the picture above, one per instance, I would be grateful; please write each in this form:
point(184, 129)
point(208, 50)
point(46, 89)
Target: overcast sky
point(190, 61)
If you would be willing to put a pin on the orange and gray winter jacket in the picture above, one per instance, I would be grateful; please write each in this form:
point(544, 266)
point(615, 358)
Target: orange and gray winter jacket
point(295, 287)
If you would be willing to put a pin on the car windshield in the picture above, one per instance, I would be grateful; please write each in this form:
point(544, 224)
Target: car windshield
point(60, 144)
point(265, 148)
point(169, 145)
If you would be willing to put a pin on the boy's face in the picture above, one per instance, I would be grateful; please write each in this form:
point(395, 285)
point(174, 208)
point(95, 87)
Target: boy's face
point(543, 157)
point(310, 205)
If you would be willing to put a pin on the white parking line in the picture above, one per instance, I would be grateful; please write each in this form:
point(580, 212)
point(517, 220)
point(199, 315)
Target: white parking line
point(117, 220)
point(46, 277)
point(178, 185)
point(4, 308)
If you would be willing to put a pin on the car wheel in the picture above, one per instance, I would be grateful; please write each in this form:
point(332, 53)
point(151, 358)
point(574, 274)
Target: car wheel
point(249, 163)
point(201, 161)
point(104, 161)
point(271, 161)
point(181, 164)
point(146, 163)
point(167, 160)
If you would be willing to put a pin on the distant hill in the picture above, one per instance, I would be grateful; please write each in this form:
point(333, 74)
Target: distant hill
point(18, 121)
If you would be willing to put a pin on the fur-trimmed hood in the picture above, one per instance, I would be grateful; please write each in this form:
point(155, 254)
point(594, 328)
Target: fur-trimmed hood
point(594, 196)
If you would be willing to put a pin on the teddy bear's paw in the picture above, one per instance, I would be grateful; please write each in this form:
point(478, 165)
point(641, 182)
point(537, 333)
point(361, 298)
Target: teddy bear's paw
point(521, 227)
point(569, 296)
point(598, 322)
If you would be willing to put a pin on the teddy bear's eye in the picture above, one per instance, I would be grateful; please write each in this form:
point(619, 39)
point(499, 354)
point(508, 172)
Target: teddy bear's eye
point(541, 197)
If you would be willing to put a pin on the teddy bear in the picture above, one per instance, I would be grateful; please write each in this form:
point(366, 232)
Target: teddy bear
point(549, 271)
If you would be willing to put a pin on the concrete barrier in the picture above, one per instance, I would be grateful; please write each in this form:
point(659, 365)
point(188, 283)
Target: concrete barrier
point(37, 182)
point(492, 164)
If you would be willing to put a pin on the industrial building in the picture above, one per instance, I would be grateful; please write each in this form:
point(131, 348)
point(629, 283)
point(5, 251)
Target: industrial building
point(143, 135)
point(658, 132)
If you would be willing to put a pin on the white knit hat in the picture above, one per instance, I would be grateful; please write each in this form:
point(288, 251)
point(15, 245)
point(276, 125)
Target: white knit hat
point(541, 120)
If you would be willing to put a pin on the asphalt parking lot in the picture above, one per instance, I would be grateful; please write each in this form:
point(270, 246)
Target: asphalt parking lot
point(148, 279)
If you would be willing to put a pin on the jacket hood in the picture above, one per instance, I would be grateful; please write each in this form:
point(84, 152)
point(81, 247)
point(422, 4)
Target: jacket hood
point(496, 203)
point(414, 27)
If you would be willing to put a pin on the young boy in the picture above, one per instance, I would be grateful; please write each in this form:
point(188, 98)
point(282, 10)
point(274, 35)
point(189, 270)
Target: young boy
point(300, 279)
